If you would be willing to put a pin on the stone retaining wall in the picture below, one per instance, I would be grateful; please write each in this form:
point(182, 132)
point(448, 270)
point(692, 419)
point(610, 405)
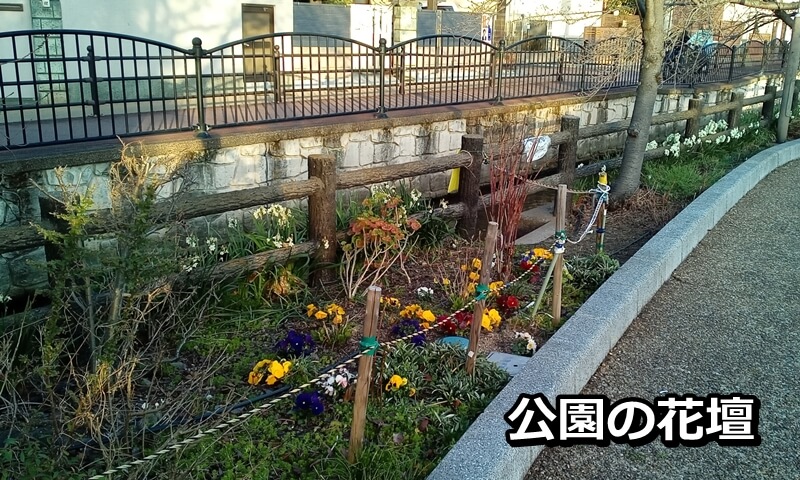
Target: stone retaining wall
point(280, 156)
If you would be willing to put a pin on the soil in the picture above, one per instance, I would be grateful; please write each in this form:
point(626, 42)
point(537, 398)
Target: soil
point(629, 225)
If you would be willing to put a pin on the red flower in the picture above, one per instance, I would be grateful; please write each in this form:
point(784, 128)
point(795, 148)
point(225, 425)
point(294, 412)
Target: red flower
point(463, 319)
point(449, 327)
point(507, 304)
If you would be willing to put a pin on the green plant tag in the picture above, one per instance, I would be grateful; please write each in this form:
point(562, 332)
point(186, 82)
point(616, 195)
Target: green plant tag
point(483, 292)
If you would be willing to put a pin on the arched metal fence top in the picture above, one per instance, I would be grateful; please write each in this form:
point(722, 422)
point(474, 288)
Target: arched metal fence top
point(459, 38)
point(717, 48)
point(94, 33)
point(290, 35)
point(539, 38)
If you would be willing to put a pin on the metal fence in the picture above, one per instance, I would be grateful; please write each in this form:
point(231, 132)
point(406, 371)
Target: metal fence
point(60, 86)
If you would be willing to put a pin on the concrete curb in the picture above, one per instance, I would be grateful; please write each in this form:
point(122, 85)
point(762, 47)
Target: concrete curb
point(568, 360)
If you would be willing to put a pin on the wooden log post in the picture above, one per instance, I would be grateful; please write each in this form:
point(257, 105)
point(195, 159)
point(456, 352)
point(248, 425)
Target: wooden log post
point(364, 373)
point(693, 123)
point(469, 185)
point(482, 291)
point(795, 96)
point(568, 153)
point(561, 220)
point(735, 113)
point(768, 108)
point(322, 217)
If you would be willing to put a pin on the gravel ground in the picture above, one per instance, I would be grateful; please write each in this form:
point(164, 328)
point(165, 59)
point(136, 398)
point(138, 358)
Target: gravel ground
point(727, 321)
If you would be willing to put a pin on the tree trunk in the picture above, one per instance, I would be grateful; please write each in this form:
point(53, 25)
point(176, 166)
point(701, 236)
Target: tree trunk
point(789, 76)
point(649, 76)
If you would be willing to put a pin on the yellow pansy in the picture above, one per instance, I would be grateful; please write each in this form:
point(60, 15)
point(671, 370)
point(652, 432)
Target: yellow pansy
point(396, 382)
point(426, 315)
point(543, 253)
point(474, 276)
point(445, 281)
point(476, 263)
point(495, 287)
point(410, 311)
point(321, 315)
point(311, 309)
point(486, 322)
point(495, 318)
point(464, 268)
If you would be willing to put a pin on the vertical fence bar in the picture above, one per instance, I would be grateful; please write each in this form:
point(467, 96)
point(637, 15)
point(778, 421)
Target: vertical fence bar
point(469, 190)
point(486, 266)
point(381, 113)
point(498, 100)
point(277, 84)
point(93, 81)
point(364, 373)
point(558, 273)
point(197, 52)
point(733, 60)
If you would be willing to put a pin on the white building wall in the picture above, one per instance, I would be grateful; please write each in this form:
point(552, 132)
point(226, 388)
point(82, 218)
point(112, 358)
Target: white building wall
point(170, 21)
point(567, 18)
point(11, 21)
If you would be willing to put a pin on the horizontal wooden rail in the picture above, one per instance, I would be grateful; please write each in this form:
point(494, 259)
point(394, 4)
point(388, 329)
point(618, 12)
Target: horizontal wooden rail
point(388, 173)
point(189, 206)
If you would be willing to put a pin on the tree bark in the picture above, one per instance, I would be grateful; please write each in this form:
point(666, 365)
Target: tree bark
point(649, 76)
point(789, 76)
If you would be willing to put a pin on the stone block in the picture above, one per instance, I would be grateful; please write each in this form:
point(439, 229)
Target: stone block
point(288, 148)
point(253, 150)
point(310, 142)
point(79, 175)
point(27, 270)
point(361, 136)
point(223, 175)
point(422, 145)
point(384, 135)
point(384, 152)
point(5, 277)
point(226, 156)
point(306, 151)
point(250, 171)
point(286, 168)
point(459, 126)
point(439, 182)
point(406, 144)
point(352, 155)
point(101, 193)
point(406, 130)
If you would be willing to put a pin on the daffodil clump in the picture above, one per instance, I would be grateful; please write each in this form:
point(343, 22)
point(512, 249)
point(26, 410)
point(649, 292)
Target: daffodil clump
point(333, 312)
point(275, 227)
point(268, 372)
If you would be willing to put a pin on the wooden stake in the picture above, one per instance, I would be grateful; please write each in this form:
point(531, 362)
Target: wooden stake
point(486, 266)
point(600, 224)
point(561, 214)
point(364, 374)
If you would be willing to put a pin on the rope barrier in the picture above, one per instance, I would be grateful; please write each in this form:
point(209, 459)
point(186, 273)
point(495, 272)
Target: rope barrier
point(369, 346)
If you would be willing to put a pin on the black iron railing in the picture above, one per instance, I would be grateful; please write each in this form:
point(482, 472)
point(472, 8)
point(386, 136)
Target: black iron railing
point(59, 86)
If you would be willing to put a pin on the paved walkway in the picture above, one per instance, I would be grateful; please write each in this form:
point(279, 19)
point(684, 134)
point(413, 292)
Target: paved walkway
point(727, 321)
